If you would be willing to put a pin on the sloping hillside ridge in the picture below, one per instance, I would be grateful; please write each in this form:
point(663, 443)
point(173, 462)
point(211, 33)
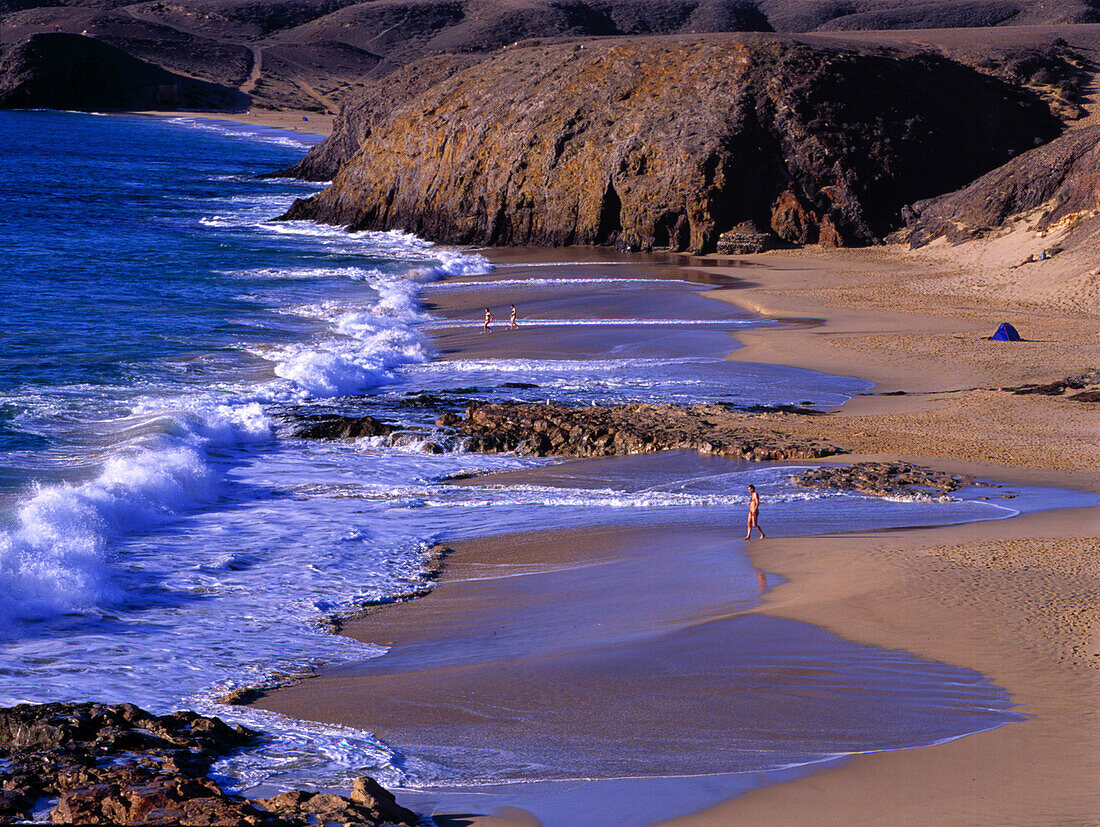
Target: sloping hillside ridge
point(67, 71)
point(1062, 178)
point(667, 142)
point(311, 54)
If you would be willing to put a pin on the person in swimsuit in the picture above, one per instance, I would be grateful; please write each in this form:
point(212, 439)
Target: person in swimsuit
point(512, 319)
point(754, 514)
point(488, 318)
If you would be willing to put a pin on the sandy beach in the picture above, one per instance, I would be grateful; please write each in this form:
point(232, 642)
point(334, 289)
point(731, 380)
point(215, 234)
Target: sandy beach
point(292, 120)
point(1012, 599)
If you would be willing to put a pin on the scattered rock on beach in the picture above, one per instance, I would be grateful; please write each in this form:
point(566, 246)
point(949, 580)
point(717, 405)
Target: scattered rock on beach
point(543, 430)
point(118, 764)
point(883, 479)
point(1059, 386)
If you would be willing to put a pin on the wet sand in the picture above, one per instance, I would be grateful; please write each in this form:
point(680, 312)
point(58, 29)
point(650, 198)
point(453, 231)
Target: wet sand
point(1013, 599)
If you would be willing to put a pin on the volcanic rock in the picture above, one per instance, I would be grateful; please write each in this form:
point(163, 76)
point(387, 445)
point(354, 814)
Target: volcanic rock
point(670, 142)
point(1059, 386)
point(67, 71)
point(118, 764)
point(543, 430)
point(744, 239)
point(882, 479)
point(336, 426)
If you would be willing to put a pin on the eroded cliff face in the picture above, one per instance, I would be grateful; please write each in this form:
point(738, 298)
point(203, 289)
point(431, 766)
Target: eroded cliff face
point(668, 142)
point(1062, 178)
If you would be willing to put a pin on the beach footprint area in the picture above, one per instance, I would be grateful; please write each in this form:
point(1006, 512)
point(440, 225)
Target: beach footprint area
point(592, 647)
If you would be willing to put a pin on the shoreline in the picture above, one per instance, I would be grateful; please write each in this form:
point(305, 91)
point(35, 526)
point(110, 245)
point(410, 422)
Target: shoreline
point(964, 594)
point(290, 120)
point(951, 558)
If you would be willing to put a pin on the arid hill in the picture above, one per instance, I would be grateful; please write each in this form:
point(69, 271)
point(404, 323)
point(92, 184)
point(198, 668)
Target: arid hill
point(310, 54)
point(1058, 183)
point(669, 142)
point(64, 71)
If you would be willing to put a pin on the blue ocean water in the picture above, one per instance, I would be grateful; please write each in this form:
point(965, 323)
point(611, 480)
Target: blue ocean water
point(163, 538)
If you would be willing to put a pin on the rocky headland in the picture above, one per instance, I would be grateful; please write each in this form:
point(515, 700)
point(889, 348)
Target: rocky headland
point(118, 764)
point(650, 143)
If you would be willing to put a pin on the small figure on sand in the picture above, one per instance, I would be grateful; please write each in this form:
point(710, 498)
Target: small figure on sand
point(512, 319)
point(754, 514)
point(488, 318)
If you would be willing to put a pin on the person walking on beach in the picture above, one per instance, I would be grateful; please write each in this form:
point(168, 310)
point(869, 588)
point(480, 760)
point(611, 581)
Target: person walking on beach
point(754, 513)
point(488, 318)
point(512, 319)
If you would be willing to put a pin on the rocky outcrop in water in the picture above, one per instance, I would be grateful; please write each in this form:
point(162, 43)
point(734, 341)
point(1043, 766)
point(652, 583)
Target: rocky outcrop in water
point(670, 142)
point(337, 426)
point(67, 71)
point(118, 764)
point(883, 479)
point(545, 430)
point(1062, 177)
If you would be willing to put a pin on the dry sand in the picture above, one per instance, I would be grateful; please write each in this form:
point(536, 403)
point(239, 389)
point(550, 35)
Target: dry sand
point(314, 123)
point(1015, 599)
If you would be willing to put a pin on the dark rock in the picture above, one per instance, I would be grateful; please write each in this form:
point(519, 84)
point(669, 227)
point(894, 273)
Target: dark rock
point(744, 239)
point(670, 142)
point(1086, 396)
point(1059, 386)
point(519, 385)
point(883, 479)
point(67, 71)
point(448, 419)
point(122, 765)
point(541, 430)
point(335, 426)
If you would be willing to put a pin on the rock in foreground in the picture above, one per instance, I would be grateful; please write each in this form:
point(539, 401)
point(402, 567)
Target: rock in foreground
point(670, 142)
point(118, 764)
point(545, 430)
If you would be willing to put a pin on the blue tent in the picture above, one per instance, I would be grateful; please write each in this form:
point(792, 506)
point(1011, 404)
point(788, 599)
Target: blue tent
point(1005, 333)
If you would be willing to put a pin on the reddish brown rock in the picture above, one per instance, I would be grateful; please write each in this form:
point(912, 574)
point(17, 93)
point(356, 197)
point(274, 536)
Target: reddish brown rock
point(118, 764)
point(883, 479)
point(669, 142)
point(543, 430)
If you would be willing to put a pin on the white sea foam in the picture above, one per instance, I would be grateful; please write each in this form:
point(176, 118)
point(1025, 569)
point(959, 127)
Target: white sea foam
point(249, 132)
point(368, 344)
point(56, 558)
